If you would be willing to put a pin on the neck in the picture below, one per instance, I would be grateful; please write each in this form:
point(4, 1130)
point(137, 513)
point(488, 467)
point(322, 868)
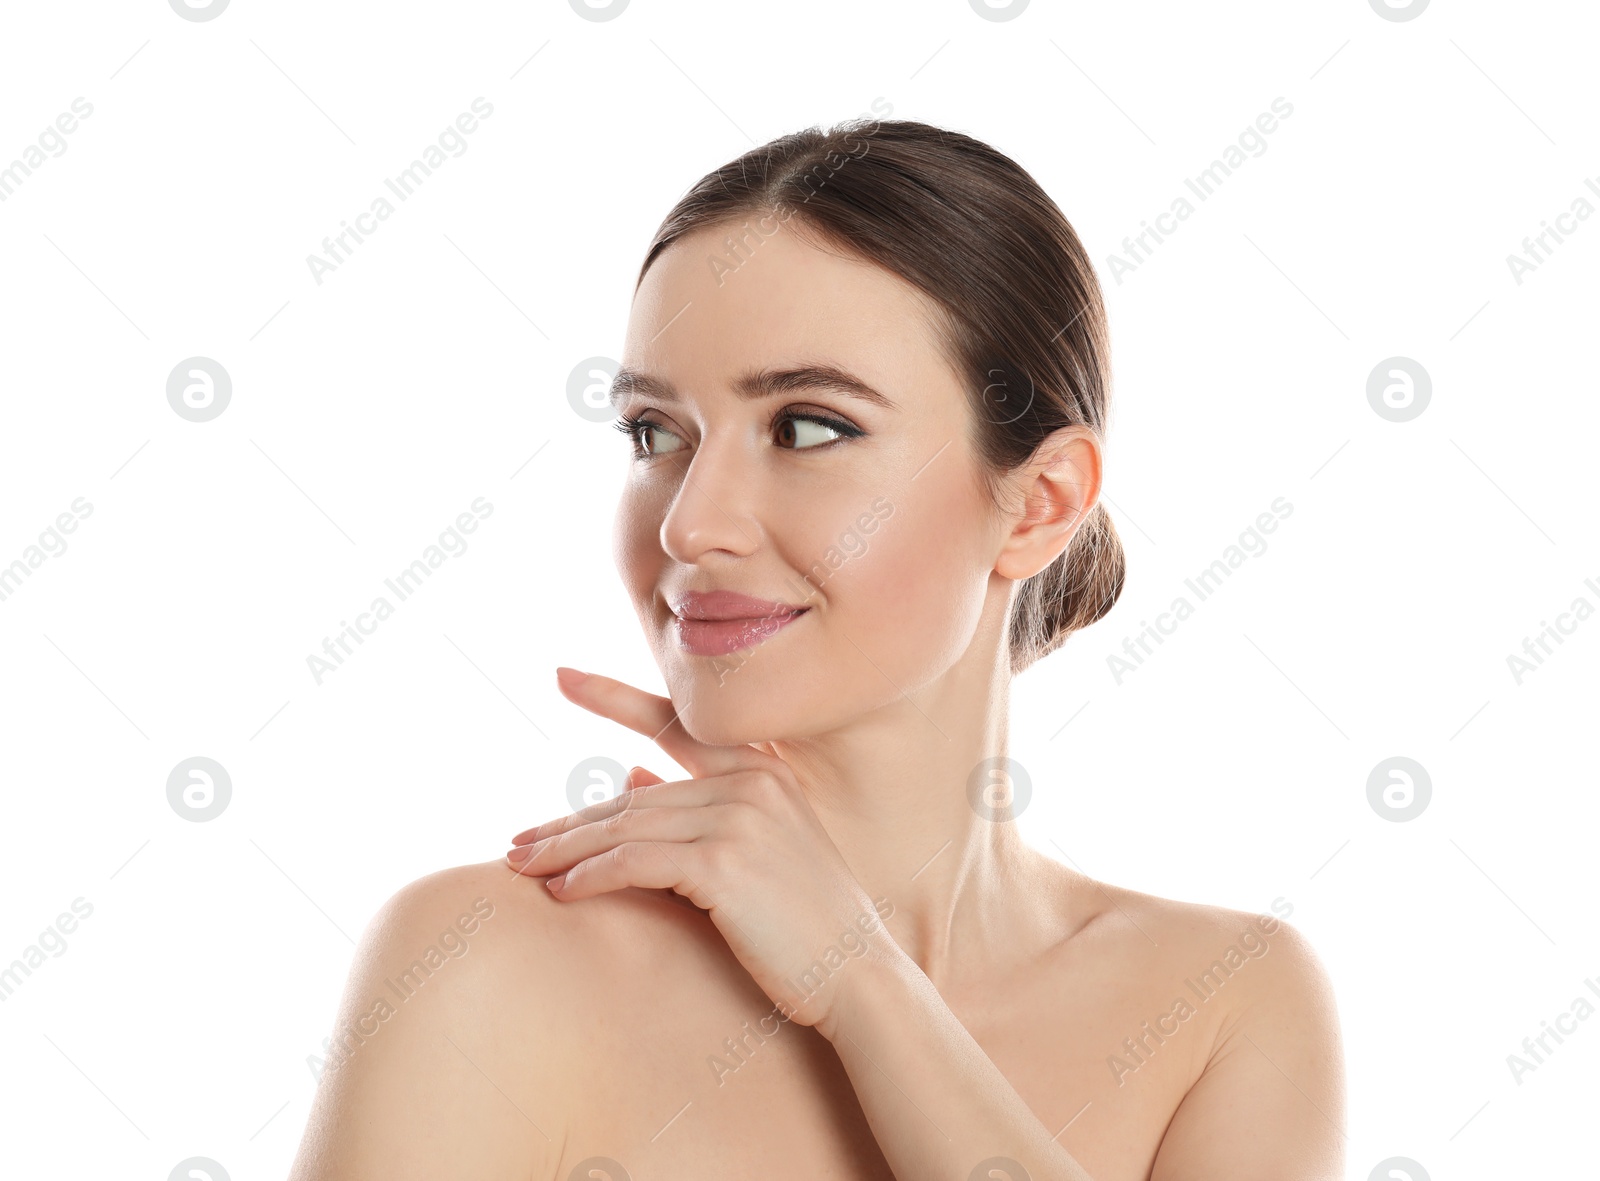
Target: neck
point(915, 797)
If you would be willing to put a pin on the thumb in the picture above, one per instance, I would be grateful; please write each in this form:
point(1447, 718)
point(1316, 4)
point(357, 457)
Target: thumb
point(639, 777)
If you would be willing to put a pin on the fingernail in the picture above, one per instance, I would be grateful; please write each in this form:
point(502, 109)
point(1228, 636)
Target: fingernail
point(571, 677)
point(520, 854)
point(555, 882)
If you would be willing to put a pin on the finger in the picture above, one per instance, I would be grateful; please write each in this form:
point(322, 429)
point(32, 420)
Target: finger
point(561, 852)
point(681, 793)
point(650, 865)
point(657, 719)
point(637, 777)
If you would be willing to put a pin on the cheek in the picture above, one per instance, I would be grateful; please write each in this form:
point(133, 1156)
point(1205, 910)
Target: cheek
point(636, 547)
point(912, 598)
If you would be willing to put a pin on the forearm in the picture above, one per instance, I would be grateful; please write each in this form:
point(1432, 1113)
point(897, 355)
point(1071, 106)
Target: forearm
point(936, 1103)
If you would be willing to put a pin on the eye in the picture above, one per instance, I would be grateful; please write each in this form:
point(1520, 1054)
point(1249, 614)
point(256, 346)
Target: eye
point(638, 429)
point(805, 432)
point(792, 431)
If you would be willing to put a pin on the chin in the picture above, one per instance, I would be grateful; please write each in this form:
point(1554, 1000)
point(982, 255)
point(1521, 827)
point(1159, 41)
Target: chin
point(724, 705)
point(719, 725)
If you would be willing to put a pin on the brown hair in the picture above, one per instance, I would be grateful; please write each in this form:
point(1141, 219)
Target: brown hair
point(1014, 294)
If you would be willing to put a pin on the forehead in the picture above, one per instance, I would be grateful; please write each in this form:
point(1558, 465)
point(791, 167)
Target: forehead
point(707, 310)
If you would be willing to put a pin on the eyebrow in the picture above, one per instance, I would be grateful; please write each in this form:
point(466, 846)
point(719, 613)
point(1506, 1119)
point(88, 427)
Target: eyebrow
point(762, 383)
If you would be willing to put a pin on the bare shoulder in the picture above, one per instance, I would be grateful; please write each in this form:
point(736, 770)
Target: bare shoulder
point(1257, 970)
point(460, 1047)
point(1273, 1056)
point(1256, 957)
point(453, 1049)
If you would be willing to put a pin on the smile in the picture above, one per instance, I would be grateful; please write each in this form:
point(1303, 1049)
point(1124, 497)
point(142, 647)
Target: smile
point(718, 637)
point(719, 622)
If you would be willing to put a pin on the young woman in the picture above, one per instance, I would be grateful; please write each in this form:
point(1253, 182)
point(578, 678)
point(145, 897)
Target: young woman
point(865, 387)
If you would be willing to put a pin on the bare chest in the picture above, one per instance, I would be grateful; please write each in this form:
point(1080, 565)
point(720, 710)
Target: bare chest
point(707, 1079)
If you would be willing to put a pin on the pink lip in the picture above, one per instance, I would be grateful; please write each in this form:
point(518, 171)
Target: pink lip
point(718, 622)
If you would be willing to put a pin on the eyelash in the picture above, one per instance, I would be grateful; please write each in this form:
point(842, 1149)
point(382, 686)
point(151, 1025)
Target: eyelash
point(632, 425)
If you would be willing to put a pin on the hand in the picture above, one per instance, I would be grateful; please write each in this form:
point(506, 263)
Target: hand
point(739, 840)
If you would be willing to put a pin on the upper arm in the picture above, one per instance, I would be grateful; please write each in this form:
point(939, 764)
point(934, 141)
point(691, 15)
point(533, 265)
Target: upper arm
point(1270, 1101)
point(438, 1067)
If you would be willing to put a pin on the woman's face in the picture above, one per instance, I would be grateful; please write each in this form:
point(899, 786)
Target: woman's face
point(763, 475)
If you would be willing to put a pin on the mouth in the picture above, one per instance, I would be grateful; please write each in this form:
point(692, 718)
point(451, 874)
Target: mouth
point(719, 622)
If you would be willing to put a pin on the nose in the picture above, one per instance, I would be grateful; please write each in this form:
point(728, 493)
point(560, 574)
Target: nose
point(714, 507)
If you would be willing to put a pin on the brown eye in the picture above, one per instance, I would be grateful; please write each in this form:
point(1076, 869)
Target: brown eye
point(637, 429)
point(659, 449)
point(802, 433)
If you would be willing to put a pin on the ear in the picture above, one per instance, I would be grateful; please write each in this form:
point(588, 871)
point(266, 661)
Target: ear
point(1057, 489)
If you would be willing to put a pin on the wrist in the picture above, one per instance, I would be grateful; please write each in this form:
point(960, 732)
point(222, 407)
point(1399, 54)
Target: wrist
point(879, 974)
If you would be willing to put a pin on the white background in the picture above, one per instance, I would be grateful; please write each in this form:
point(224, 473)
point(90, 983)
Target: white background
point(370, 409)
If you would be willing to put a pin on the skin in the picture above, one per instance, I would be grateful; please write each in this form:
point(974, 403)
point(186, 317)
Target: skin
point(640, 993)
